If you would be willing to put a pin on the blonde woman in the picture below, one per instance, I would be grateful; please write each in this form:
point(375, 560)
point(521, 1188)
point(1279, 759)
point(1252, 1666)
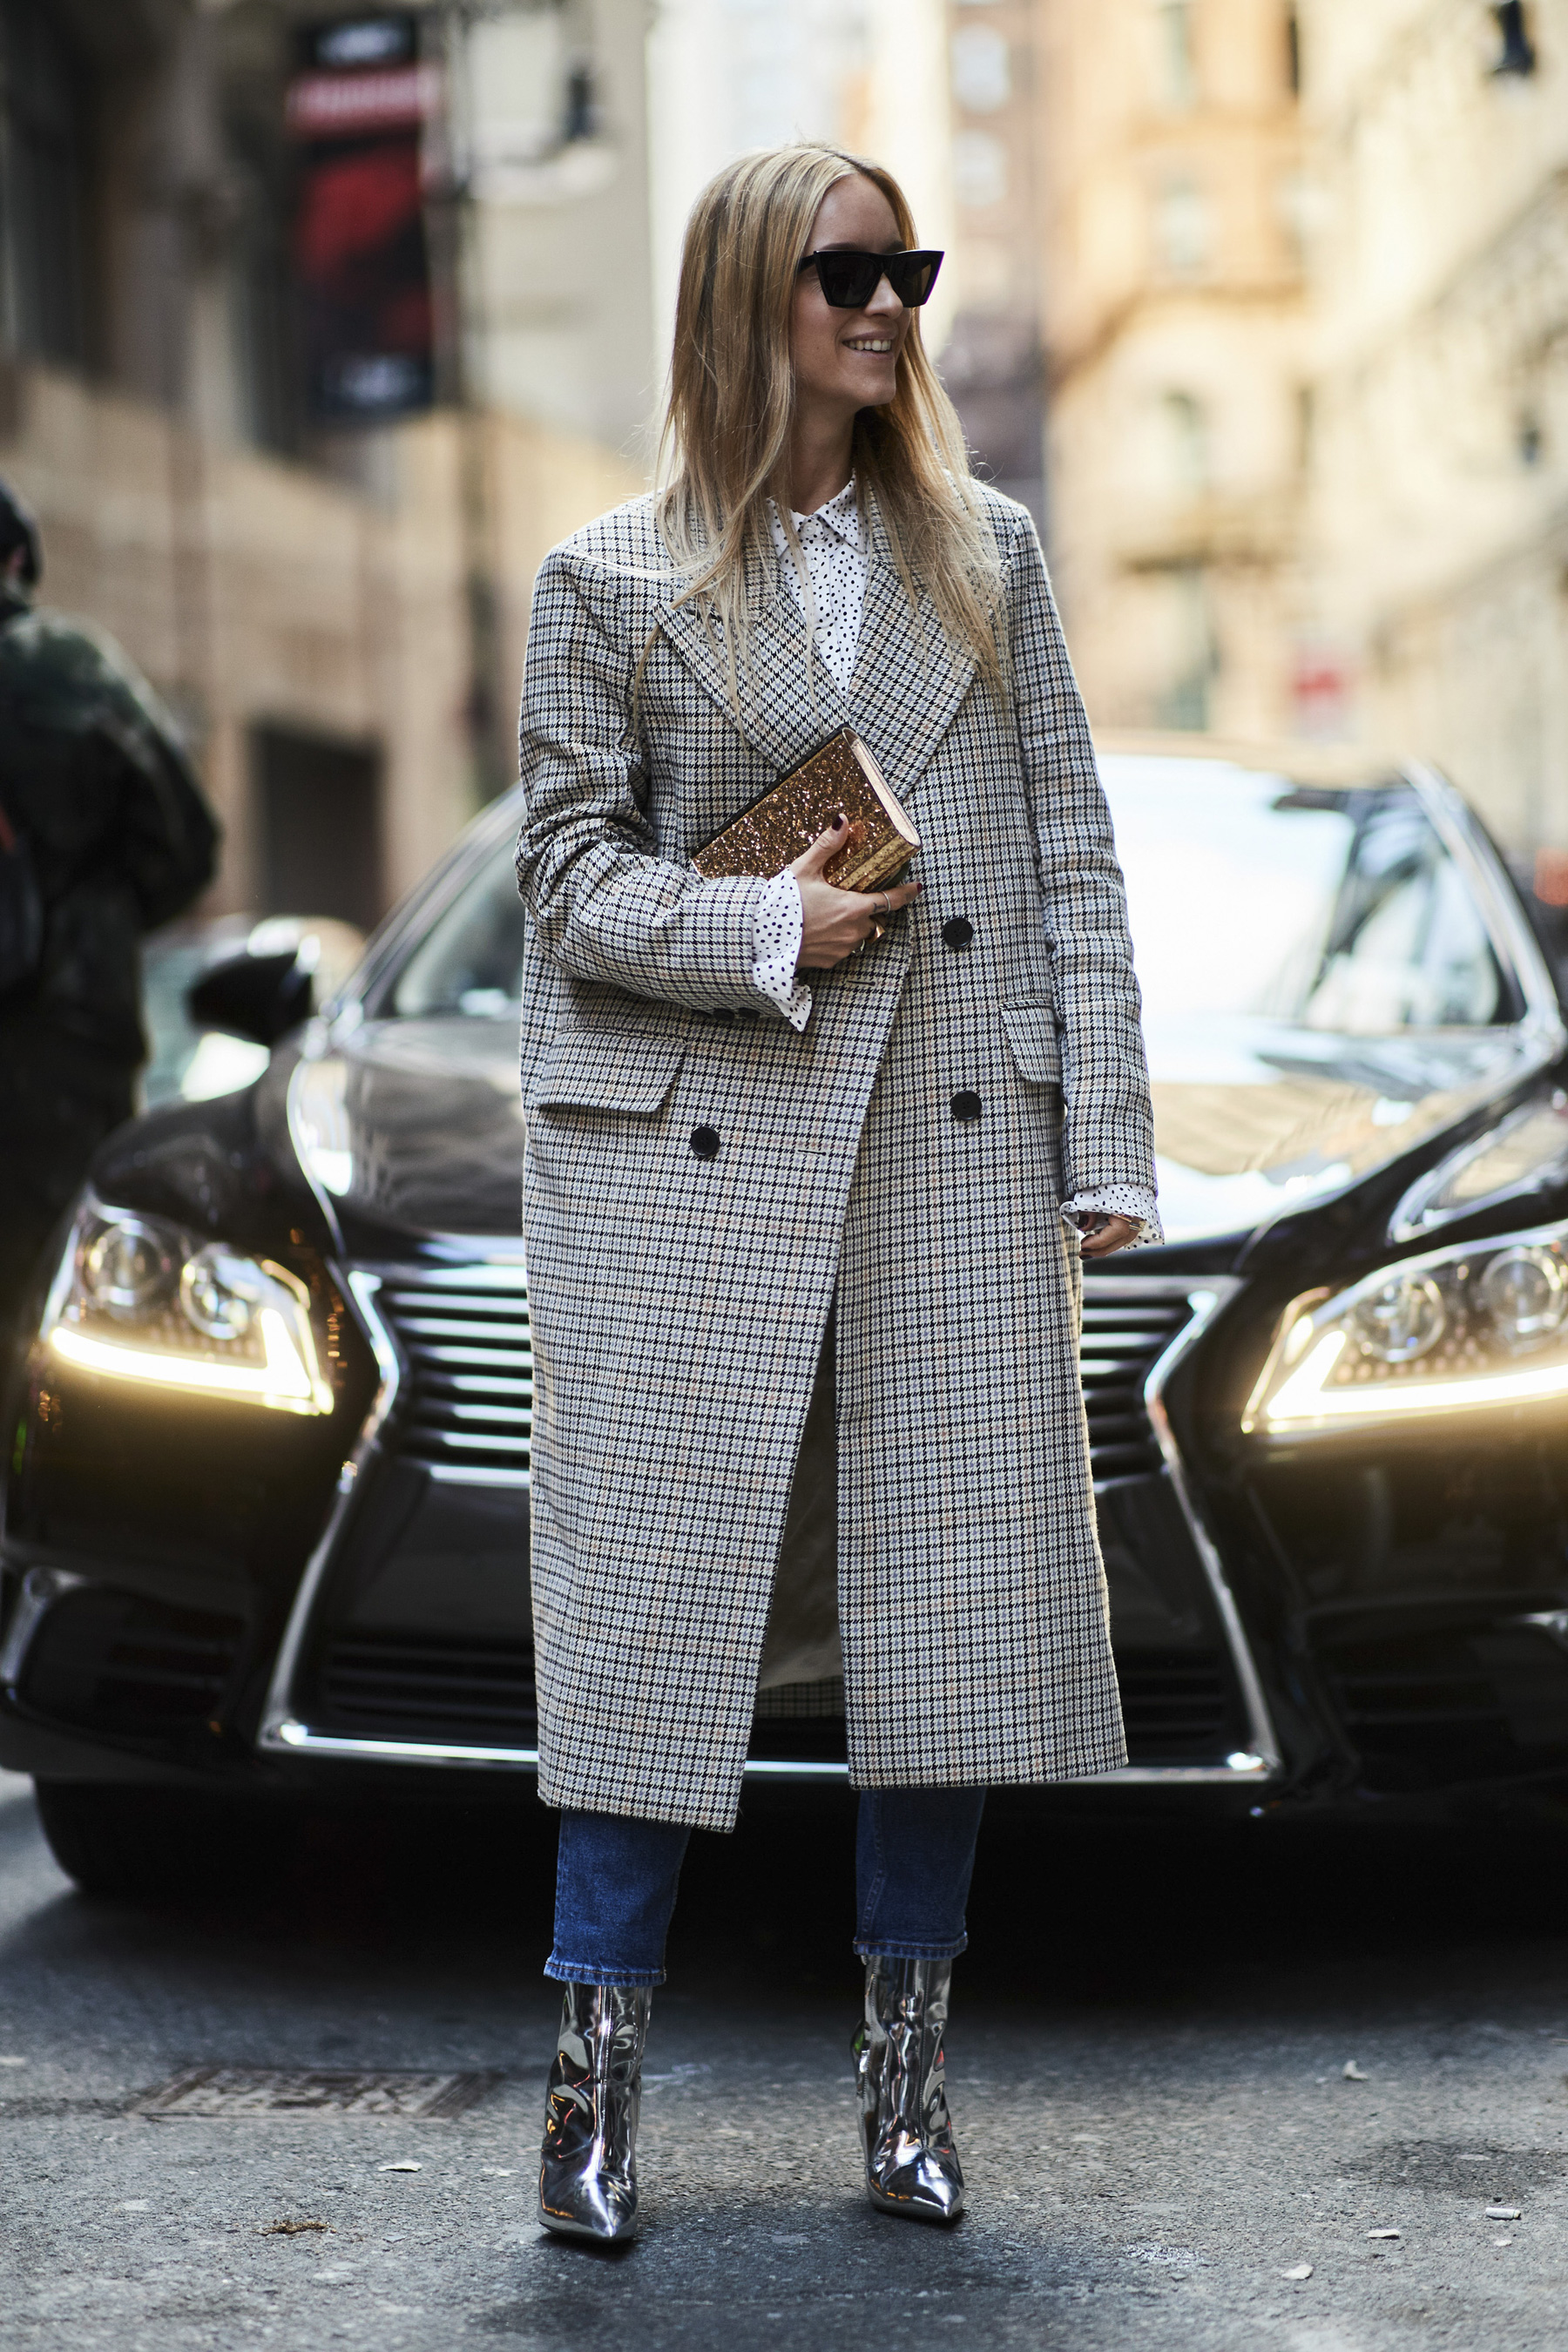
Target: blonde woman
point(809, 1174)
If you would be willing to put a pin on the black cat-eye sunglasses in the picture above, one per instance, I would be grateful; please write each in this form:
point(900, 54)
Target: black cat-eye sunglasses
point(848, 281)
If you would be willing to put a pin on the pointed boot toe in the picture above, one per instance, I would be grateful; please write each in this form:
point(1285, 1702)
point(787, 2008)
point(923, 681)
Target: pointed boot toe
point(920, 2184)
point(587, 2166)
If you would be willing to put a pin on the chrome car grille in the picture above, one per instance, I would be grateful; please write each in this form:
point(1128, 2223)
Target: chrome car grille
point(418, 1687)
point(1128, 1324)
point(464, 1335)
point(1178, 1707)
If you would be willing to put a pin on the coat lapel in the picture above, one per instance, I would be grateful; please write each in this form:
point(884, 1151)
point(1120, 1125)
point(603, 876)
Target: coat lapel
point(903, 697)
point(780, 715)
point(908, 683)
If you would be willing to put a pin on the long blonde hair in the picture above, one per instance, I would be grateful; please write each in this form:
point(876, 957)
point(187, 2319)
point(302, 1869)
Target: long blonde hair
point(724, 449)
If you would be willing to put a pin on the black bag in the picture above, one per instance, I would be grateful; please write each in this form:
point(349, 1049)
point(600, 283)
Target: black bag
point(21, 911)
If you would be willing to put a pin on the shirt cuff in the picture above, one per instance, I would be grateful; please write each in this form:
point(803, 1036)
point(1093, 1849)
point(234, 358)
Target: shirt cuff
point(775, 951)
point(1122, 1201)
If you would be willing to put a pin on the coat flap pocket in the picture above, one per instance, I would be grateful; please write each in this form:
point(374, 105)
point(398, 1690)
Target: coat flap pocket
point(605, 1069)
point(1036, 1048)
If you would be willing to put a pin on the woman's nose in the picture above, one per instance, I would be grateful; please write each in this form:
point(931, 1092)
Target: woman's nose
point(884, 301)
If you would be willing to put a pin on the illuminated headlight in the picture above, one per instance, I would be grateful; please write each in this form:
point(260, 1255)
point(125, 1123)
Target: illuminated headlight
point(1459, 1330)
point(138, 1299)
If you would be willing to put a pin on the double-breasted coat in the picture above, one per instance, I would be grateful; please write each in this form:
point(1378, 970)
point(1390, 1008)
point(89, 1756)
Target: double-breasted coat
point(702, 1182)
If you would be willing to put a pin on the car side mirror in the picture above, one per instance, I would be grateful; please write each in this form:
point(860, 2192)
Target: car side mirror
point(258, 997)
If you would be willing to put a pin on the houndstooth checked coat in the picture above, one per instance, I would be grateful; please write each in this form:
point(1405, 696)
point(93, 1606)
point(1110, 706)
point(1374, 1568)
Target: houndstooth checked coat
point(700, 1181)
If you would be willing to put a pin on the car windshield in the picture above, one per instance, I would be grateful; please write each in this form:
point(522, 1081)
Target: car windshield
point(470, 960)
point(1251, 897)
point(1320, 907)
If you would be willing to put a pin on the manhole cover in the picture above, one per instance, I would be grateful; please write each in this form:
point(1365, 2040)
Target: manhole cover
point(312, 2090)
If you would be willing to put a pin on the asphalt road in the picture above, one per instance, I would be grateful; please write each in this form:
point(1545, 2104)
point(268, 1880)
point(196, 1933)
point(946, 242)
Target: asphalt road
point(1147, 2064)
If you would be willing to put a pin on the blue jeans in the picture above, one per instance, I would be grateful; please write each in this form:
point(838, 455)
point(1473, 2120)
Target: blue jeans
point(616, 1880)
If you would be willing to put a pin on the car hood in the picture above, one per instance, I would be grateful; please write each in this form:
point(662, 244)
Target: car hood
point(1253, 1118)
point(417, 1124)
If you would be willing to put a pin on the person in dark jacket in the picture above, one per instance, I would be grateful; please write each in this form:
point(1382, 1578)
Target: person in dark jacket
point(104, 833)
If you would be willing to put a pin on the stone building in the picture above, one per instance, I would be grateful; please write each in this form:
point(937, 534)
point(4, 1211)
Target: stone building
point(1439, 516)
point(1172, 218)
point(992, 360)
point(335, 614)
point(1304, 286)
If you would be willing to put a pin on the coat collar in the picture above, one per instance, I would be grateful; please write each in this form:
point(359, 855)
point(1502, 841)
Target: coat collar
point(903, 697)
point(907, 682)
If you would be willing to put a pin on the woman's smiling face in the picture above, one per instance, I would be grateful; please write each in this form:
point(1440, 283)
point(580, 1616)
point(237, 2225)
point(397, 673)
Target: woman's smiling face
point(845, 361)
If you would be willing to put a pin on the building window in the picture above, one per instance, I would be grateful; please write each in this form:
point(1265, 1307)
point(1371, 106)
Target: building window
point(1518, 53)
point(1295, 209)
point(979, 170)
point(317, 802)
point(42, 290)
point(582, 113)
point(1185, 703)
point(1529, 440)
point(981, 78)
point(1182, 226)
point(1186, 443)
point(1293, 52)
point(1178, 70)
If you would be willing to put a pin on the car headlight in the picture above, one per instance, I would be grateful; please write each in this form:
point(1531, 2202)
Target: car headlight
point(1484, 1324)
point(138, 1299)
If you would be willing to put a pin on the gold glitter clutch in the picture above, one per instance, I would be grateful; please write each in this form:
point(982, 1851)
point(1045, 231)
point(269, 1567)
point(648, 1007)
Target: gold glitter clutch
point(780, 826)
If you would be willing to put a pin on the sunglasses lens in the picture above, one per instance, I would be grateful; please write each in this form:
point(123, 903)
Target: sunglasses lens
point(912, 276)
point(849, 280)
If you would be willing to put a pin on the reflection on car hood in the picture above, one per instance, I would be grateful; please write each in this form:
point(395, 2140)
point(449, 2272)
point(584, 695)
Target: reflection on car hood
point(1252, 1118)
point(419, 1123)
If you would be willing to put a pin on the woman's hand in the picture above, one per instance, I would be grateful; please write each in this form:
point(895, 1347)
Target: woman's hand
point(1111, 1233)
point(835, 922)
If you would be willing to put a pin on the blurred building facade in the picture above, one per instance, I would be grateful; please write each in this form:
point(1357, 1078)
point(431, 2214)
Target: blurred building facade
point(1171, 290)
point(1303, 280)
point(1440, 471)
point(993, 363)
point(336, 613)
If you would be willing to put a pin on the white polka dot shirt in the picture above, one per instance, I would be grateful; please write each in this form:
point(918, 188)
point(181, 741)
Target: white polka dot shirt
point(837, 563)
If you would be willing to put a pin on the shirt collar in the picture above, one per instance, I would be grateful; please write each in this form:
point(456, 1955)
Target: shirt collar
point(839, 519)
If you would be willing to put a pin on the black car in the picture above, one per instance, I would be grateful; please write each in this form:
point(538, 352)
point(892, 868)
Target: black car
point(266, 1516)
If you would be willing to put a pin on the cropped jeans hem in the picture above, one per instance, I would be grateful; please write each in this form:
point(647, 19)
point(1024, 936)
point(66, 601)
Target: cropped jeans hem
point(886, 1947)
point(592, 1973)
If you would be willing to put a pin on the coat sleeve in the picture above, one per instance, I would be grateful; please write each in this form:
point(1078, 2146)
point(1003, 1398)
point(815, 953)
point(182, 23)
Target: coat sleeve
point(126, 812)
point(167, 836)
point(1108, 1128)
point(607, 906)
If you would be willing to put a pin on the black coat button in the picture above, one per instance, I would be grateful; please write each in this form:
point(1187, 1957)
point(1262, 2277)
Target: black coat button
point(705, 1140)
point(957, 931)
point(965, 1108)
point(722, 1014)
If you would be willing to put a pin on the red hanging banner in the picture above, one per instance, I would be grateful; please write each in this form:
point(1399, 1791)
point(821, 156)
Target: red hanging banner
point(361, 255)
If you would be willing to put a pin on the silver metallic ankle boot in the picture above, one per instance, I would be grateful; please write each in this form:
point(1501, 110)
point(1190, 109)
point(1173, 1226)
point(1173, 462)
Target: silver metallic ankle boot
point(588, 2169)
point(911, 2164)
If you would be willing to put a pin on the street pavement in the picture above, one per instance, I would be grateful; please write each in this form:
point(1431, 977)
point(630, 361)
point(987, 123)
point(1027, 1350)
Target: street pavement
point(1148, 2062)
